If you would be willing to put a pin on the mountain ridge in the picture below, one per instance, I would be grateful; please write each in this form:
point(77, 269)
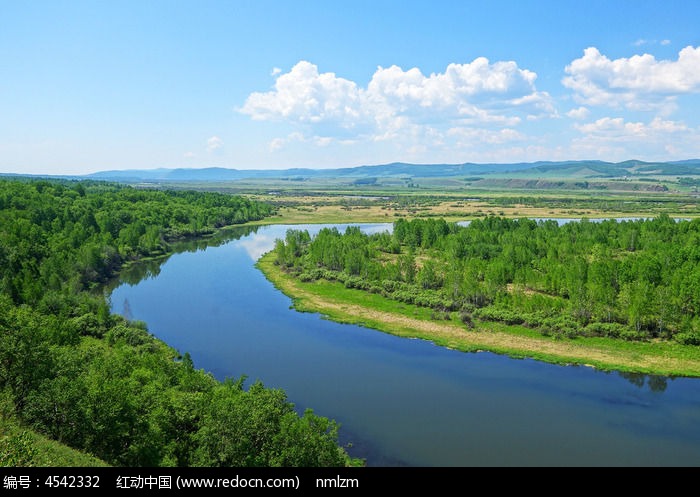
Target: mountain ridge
point(584, 169)
point(592, 168)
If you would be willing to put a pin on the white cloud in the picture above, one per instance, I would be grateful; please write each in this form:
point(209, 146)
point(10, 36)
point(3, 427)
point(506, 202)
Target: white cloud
point(257, 244)
point(642, 41)
point(617, 139)
point(617, 128)
point(277, 144)
point(304, 96)
point(188, 155)
point(639, 83)
point(470, 137)
point(579, 113)
point(280, 143)
point(400, 104)
point(214, 143)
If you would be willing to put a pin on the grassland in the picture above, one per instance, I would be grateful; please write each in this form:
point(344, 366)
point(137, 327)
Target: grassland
point(304, 210)
point(20, 446)
point(368, 205)
point(574, 191)
point(344, 305)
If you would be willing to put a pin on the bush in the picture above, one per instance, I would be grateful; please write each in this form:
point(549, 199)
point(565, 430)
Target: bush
point(87, 325)
point(466, 318)
point(440, 315)
point(612, 330)
point(560, 326)
point(687, 338)
point(17, 450)
point(500, 314)
point(131, 335)
point(633, 336)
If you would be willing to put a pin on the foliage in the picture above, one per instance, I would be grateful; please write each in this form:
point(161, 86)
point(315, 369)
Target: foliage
point(17, 450)
point(632, 280)
point(101, 383)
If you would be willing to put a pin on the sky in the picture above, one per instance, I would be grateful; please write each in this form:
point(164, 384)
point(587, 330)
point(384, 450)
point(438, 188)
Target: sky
point(95, 85)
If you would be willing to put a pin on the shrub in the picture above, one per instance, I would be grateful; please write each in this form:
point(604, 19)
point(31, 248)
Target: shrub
point(466, 318)
point(611, 330)
point(687, 338)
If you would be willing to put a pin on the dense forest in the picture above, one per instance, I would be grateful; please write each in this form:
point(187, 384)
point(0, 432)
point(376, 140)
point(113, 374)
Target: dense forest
point(100, 383)
point(631, 280)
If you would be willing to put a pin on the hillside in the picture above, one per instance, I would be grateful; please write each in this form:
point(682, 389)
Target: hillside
point(565, 169)
point(24, 447)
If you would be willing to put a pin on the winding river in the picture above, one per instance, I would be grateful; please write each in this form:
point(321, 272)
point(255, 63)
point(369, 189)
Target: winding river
point(404, 402)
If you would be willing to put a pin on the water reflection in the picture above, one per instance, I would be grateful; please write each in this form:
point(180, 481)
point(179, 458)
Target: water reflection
point(656, 384)
point(150, 268)
point(257, 245)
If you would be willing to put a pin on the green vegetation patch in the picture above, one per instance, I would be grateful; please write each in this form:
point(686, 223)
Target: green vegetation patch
point(72, 372)
point(24, 447)
point(614, 295)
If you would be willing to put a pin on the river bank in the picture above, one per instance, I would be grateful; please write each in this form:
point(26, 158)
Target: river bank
point(352, 306)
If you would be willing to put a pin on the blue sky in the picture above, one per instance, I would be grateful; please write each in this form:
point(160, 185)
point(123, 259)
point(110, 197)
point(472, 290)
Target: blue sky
point(95, 85)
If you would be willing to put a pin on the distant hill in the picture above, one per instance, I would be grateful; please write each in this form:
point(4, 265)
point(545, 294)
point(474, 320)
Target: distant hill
point(387, 170)
point(584, 169)
point(588, 169)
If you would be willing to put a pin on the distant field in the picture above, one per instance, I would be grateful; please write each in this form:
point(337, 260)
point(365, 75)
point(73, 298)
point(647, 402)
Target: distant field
point(322, 208)
point(537, 192)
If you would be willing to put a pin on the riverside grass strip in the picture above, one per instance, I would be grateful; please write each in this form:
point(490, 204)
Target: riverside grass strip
point(337, 303)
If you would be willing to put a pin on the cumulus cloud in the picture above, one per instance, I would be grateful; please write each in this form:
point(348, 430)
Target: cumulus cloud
point(398, 103)
point(616, 138)
point(639, 82)
point(579, 113)
point(458, 91)
point(618, 128)
point(214, 143)
point(303, 95)
point(469, 137)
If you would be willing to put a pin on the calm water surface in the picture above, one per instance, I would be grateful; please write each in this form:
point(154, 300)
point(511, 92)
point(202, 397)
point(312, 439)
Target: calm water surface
point(400, 401)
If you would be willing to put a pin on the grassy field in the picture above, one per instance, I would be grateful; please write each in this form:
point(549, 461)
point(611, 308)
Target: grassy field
point(21, 447)
point(450, 210)
point(525, 194)
point(344, 305)
point(298, 208)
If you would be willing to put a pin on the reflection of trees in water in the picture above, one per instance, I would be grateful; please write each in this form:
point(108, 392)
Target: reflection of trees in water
point(126, 312)
point(141, 270)
point(150, 268)
point(215, 240)
point(655, 383)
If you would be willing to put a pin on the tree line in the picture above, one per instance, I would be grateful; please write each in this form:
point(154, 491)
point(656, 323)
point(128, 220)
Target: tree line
point(631, 279)
point(98, 382)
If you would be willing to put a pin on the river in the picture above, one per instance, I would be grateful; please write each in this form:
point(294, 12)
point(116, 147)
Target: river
point(403, 402)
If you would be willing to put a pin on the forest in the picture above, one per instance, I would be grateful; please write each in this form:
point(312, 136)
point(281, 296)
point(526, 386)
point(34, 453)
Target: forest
point(100, 383)
point(633, 280)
